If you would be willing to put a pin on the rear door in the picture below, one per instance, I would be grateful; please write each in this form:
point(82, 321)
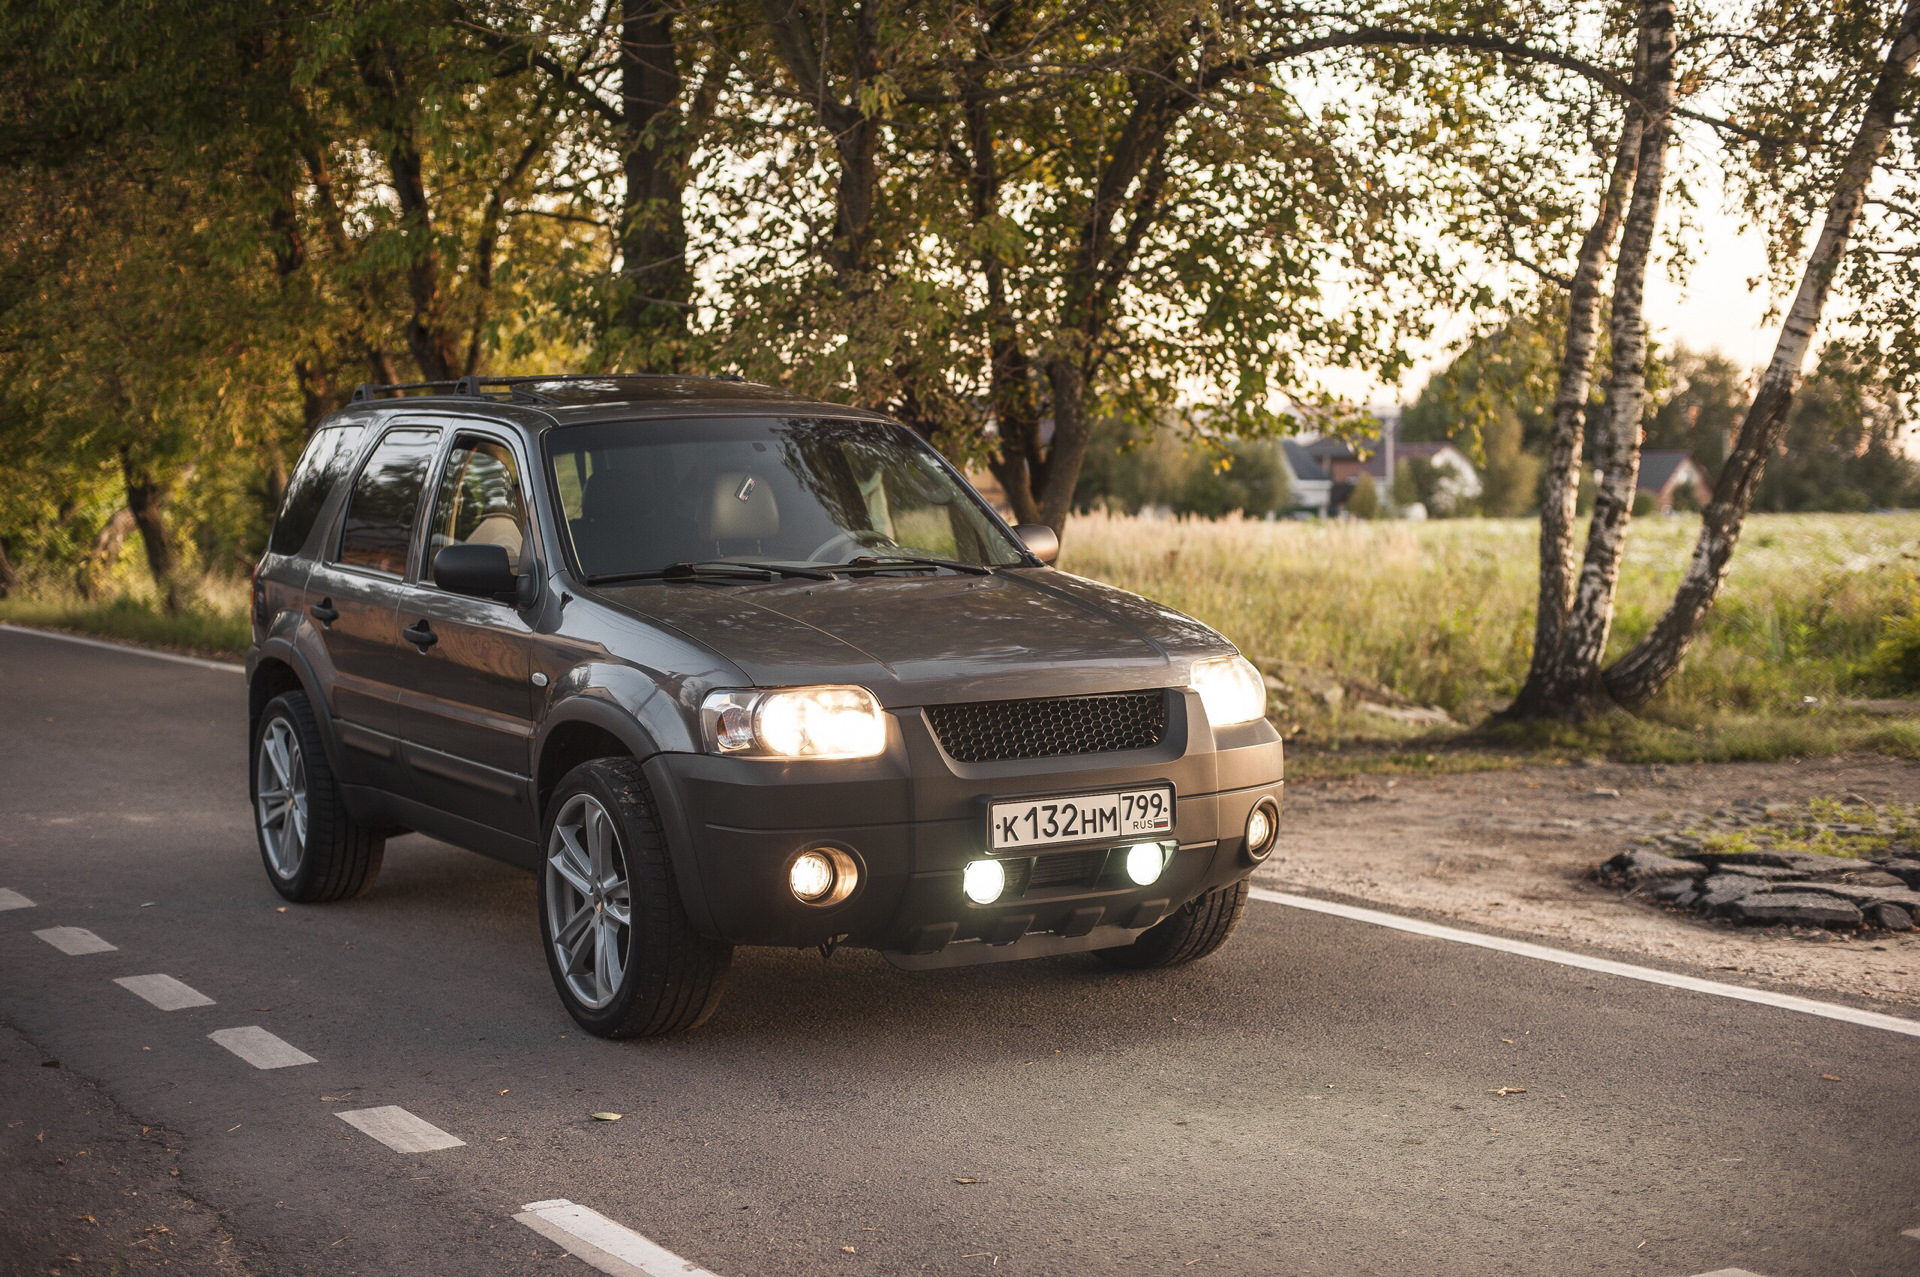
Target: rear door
point(469, 725)
point(354, 593)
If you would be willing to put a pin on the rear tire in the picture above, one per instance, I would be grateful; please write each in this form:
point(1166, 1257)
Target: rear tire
point(1188, 934)
point(624, 957)
point(313, 850)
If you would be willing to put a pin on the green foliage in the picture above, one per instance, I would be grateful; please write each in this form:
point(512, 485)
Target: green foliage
point(1185, 476)
point(1364, 503)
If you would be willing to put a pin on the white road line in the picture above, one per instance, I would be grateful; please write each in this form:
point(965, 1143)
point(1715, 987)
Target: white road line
point(11, 899)
point(1566, 958)
point(260, 1048)
point(612, 1248)
point(1729, 1272)
point(164, 991)
point(74, 940)
point(124, 647)
point(1911, 1232)
point(400, 1130)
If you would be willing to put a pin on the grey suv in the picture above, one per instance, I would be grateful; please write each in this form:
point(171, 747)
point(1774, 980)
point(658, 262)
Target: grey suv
point(722, 666)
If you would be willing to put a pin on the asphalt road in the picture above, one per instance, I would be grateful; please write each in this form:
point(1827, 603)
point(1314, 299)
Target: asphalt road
point(1319, 1097)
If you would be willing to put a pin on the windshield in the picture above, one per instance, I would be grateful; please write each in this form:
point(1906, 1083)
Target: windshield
point(640, 496)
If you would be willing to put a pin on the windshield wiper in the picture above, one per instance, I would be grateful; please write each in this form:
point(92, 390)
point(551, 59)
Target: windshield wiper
point(711, 569)
point(913, 561)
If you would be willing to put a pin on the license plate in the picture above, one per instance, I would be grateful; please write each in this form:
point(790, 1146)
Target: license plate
point(1041, 822)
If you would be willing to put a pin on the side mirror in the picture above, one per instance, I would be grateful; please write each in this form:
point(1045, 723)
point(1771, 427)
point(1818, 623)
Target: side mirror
point(483, 571)
point(1041, 541)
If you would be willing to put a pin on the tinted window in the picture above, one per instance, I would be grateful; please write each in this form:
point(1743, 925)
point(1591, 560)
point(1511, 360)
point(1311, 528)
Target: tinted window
point(386, 500)
point(639, 496)
point(329, 454)
point(480, 501)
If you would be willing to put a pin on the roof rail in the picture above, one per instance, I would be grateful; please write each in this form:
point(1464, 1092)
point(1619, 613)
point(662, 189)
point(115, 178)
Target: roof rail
point(368, 391)
point(475, 387)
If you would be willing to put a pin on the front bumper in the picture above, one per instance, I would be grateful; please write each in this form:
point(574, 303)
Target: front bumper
point(914, 817)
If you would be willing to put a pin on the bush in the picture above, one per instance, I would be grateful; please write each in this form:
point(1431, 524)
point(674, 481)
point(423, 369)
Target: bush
point(1895, 662)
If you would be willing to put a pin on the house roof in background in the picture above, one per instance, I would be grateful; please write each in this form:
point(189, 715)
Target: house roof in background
point(1301, 461)
point(1657, 467)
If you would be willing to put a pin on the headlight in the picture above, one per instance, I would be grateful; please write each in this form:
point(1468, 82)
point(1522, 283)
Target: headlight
point(1230, 688)
point(795, 722)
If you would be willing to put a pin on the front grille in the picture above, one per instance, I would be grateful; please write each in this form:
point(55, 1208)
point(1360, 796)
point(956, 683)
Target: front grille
point(989, 731)
point(1067, 867)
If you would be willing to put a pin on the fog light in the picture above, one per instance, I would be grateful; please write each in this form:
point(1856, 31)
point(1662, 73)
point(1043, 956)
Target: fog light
point(1145, 861)
point(984, 880)
point(822, 876)
point(1263, 828)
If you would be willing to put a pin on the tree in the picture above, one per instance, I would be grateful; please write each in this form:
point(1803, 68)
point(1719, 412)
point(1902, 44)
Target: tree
point(1640, 674)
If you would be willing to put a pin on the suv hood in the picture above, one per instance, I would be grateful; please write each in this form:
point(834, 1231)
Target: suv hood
point(928, 640)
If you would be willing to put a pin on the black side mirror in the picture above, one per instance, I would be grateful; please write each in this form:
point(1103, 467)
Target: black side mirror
point(1041, 541)
point(483, 571)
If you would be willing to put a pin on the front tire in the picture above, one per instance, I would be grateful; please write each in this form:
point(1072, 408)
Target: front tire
point(624, 957)
point(1188, 934)
point(313, 850)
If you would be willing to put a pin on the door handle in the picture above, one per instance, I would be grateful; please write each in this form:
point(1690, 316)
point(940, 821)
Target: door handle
point(324, 612)
point(420, 635)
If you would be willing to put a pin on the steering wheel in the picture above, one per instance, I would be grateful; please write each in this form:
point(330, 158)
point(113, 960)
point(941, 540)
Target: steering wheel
point(853, 541)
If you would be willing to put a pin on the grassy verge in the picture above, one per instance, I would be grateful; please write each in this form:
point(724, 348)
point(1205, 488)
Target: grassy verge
point(1356, 621)
point(213, 623)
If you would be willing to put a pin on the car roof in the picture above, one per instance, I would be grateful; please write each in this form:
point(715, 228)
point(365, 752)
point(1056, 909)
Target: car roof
point(537, 403)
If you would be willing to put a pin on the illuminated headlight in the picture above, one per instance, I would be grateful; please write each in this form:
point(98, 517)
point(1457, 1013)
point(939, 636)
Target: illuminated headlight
point(1230, 688)
point(983, 881)
point(795, 722)
point(1145, 861)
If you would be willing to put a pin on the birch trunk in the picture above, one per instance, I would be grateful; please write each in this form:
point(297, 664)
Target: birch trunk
point(1639, 675)
point(1571, 679)
point(1559, 503)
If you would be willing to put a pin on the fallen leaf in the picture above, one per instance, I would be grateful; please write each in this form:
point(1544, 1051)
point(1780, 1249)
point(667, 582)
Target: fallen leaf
point(1508, 1041)
point(281, 909)
point(606, 1117)
point(90, 1219)
point(849, 1250)
point(1828, 1077)
point(965, 1179)
point(505, 1089)
point(1509, 1090)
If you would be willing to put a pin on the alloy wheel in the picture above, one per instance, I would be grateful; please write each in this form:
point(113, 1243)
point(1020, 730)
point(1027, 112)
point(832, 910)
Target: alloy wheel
point(589, 901)
point(280, 803)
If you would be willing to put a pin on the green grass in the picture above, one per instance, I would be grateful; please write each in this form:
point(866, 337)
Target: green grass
point(1441, 614)
point(213, 622)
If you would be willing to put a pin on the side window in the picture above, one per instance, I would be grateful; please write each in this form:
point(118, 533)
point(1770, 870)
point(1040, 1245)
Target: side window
point(481, 502)
point(321, 467)
point(386, 501)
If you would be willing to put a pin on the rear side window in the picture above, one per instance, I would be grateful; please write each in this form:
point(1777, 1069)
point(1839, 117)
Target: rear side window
point(329, 453)
point(386, 501)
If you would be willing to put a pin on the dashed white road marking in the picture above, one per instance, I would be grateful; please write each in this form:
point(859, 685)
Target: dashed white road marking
point(1567, 958)
point(124, 647)
point(612, 1248)
point(11, 899)
point(260, 1048)
point(164, 991)
point(1911, 1232)
point(1729, 1272)
point(74, 940)
point(400, 1130)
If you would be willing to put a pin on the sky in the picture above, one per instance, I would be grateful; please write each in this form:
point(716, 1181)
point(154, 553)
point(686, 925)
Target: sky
point(1710, 307)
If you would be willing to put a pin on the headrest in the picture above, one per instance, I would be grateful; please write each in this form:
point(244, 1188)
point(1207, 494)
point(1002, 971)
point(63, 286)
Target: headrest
point(741, 508)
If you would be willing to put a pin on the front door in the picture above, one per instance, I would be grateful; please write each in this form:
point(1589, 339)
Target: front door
point(469, 725)
point(354, 593)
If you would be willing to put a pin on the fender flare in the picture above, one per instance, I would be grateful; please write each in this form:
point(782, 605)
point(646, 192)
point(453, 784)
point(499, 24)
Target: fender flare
point(609, 717)
point(280, 649)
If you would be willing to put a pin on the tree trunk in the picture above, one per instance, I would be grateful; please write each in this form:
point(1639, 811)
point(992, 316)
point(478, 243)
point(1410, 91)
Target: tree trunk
point(9, 579)
point(1570, 681)
point(1639, 675)
point(102, 553)
point(656, 286)
point(1070, 432)
point(147, 503)
point(1559, 503)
